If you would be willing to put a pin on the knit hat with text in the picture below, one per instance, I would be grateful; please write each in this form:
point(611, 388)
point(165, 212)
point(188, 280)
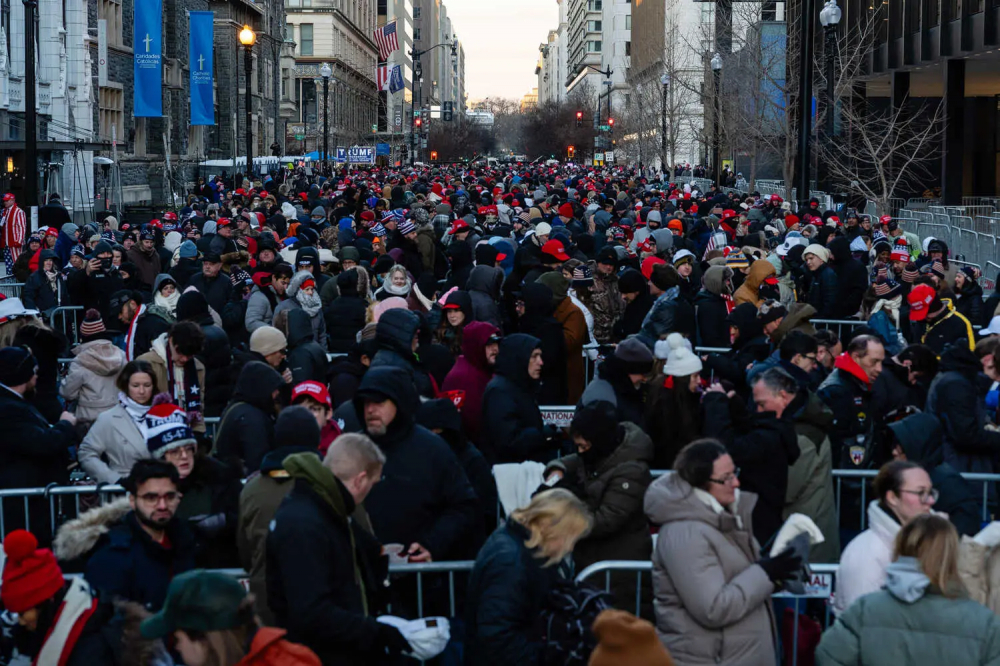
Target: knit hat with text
point(166, 429)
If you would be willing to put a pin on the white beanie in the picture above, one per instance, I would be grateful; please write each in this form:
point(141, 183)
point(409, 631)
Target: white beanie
point(822, 253)
point(681, 361)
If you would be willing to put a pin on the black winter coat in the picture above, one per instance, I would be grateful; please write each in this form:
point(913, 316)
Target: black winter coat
point(513, 430)
point(216, 290)
point(345, 377)
point(246, 431)
point(212, 489)
point(824, 293)
point(635, 312)
point(127, 563)
point(95, 291)
point(539, 322)
point(37, 294)
point(306, 357)
point(969, 302)
point(424, 496)
point(507, 592)
point(184, 271)
point(313, 590)
point(217, 357)
point(345, 316)
point(33, 454)
point(852, 280)
point(710, 314)
point(394, 335)
point(849, 397)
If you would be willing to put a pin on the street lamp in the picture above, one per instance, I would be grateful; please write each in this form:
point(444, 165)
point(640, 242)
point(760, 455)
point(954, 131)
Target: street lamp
point(247, 38)
point(325, 72)
point(664, 80)
point(716, 64)
point(806, 38)
point(829, 17)
point(416, 90)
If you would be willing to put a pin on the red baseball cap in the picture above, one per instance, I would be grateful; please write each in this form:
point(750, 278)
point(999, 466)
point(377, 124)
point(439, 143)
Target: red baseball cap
point(554, 248)
point(314, 390)
point(223, 222)
point(885, 219)
point(8, 197)
point(920, 299)
point(460, 225)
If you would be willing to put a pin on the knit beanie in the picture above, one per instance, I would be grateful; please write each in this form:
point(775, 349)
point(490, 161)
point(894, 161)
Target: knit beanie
point(665, 277)
point(631, 281)
point(819, 251)
point(625, 640)
point(770, 311)
point(681, 361)
point(188, 250)
point(267, 340)
point(17, 365)
point(635, 357)
point(31, 574)
point(296, 426)
point(92, 324)
point(597, 422)
point(166, 429)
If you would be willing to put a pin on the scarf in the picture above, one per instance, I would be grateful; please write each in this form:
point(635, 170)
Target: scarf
point(891, 306)
point(135, 411)
point(130, 337)
point(190, 401)
point(311, 304)
point(53, 278)
point(74, 612)
point(730, 304)
point(169, 303)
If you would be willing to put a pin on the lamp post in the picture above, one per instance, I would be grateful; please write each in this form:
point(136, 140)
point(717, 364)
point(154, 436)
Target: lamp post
point(325, 72)
point(247, 38)
point(716, 64)
point(806, 39)
point(416, 89)
point(664, 80)
point(829, 18)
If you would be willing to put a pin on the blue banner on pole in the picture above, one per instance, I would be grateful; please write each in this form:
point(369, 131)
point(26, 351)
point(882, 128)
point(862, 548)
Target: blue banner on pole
point(396, 80)
point(202, 106)
point(148, 59)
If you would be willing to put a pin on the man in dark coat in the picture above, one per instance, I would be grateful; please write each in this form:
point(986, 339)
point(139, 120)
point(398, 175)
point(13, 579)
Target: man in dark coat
point(136, 559)
point(425, 500)
point(246, 431)
point(141, 323)
point(847, 391)
point(919, 438)
point(94, 286)
point(306, 357)
point(323, 570)
point(484, 287)
point(824, 293)
point(34, 453)
point(953, 398)
point(216, 354)
point(763, 446)
point(537, 321)
point(345, 315)
point(214, 285)
point(852, 278)
point(473, 371)
point(512, 429)
point(712, 305)
point(638, 302)
point(396, 336)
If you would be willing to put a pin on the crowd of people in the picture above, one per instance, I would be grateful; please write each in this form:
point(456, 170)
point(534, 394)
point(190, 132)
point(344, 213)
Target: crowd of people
point(309, 376)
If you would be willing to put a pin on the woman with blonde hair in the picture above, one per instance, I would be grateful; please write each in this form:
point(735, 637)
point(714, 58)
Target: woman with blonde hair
point(922, 615)
point(513, 574)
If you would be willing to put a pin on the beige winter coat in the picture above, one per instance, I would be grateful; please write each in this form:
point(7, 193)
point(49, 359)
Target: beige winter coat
point(112, 445)
point(91, 378)
point(712, 602)
point(979, 569)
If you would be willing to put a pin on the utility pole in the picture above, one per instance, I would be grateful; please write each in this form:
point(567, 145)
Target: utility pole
point(30, 105)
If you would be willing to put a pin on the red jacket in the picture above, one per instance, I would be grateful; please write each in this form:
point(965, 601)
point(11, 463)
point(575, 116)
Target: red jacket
point(471, 374)
point(269, 648)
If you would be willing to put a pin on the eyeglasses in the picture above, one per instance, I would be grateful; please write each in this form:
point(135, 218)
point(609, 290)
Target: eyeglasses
point(728, 478)
point(926, 496)
point(181, 452)
point(154, 498)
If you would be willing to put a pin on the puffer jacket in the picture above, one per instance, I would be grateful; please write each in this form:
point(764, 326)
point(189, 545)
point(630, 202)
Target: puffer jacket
point(394, 335)
point(749, 290)
point(810, 478)
point(512, 429)
point(852, 279)
point(912, 622)
point(270, 648)
point(470, 374)
point(866, 558)
point(484, 289)
point(91, 378)
point(669, 313)
point(712, 601)
point(711, 308)
point(317, 320)
point(345, 315)
point(824, 292)
point(246, 431)
point(306, 358)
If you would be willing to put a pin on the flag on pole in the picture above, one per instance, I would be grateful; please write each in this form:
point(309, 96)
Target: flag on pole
point(382, 77)
point(386, 40)
point(396, 80)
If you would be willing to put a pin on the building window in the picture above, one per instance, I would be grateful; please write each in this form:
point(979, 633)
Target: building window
point(593, 26)
point(416, 12)
point(628, 22)
point(111, 103)
point(306, 39)
point(595, 5)
point(594, 46)
point(289, 32)
point(111, 11)
point(416, 34)
point(628, 48)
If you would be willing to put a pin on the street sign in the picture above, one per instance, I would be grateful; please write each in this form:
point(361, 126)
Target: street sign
point(300, 137)
point(361, 155)
point(605, 128)
point(609, 156)
point(448, 112)
point(382, 149)
point(296, 128)
point(598, 157)
point(399, 120)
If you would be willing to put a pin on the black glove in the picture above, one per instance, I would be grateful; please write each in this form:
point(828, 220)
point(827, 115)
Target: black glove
point(782, 566)
point(390, 638)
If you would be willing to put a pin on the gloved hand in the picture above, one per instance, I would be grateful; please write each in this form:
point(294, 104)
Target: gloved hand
point(391, 638)
point(551, 433)
point(782, 566)
point(209, 525)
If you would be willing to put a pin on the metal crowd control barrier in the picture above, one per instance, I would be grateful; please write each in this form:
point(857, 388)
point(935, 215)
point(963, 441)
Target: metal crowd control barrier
point(10, 287)
point(837, 325)
point(65, 319)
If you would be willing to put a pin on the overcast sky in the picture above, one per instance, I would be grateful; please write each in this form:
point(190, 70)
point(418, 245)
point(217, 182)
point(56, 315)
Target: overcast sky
point(501, 43)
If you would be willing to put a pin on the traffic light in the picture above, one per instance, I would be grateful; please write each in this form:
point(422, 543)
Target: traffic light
point(611, 124)
point(434, 155)
point(419, 122)
point(571, 152)
point(579, 118)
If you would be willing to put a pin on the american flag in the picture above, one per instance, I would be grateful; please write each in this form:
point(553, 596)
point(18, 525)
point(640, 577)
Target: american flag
point(383, 75)
point(385, 39)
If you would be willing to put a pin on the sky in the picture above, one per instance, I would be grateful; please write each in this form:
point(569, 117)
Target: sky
point(501, 43)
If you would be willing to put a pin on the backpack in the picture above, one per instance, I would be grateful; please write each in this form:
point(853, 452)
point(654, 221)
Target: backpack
point(566, 620)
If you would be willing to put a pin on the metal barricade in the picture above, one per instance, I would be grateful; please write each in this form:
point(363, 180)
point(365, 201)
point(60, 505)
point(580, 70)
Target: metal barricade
point(10, 287)
point(55, 495)
point(65, 319)
point(838, 326)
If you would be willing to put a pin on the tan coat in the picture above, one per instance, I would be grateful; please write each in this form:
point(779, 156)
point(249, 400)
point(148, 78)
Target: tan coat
point(712, 601)
point(91, 378)
point(157, 357)
point(576, 334)
point(979, 569)
point(748, 291)
point(116, 438)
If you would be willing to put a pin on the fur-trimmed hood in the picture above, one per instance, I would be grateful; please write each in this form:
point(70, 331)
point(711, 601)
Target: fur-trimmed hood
point(79, 536)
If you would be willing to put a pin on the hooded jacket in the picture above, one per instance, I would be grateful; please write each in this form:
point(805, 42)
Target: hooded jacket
point(749, 290)
point(317, 321)
point(484, 289)
point(910, 621)
point(953, 398)
point(847, 391)
point(216, 354)
point(246, 431)
point(538, 321)
point(866, 558)
point(394, 335)
point(91, 378)
point(470, 374)
point(711, 308)
point(512, 423)
point(424, 496)
point(575, 333)
point(852, 279)
point(345, 315)
point(37, 293)
point(306, 358)
point(311, 254)
point(921, 437)
point(713, 601)
point(824, 293)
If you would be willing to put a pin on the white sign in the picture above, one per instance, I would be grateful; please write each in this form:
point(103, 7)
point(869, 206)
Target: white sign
point(819, 585)
point(609, 156)
point(361, 155)
point(102, 52)
point(560, 418)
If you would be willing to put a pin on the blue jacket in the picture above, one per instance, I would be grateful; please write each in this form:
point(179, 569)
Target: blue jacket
point(129, 564)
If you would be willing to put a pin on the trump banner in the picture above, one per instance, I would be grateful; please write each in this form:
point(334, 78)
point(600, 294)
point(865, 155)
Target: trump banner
point(201, 65)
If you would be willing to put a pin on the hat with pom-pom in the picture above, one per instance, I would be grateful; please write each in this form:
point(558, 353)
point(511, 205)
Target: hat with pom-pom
point(681, 361)
point(31, 574)
point(166, 429)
